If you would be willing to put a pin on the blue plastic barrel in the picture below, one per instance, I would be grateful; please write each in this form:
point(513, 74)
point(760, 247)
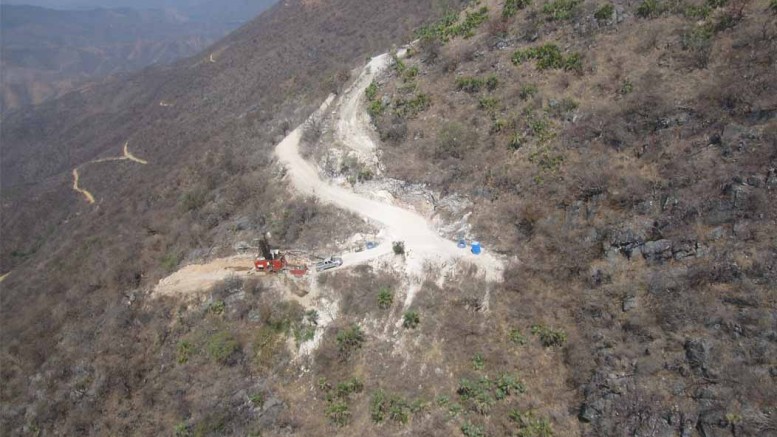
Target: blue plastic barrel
point(461, 244)
point(476, 247)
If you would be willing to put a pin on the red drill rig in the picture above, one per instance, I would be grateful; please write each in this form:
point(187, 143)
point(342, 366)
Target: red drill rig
point(273, 261)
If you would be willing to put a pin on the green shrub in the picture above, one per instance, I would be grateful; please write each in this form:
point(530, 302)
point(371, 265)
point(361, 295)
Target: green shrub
point(699, 42)
point(507, 385)
point(338, 413)
point(364, 175)
point(349, 340)
point(469, 84)
point(348, 387)
point(257, 400)
point(472, 20)
point(604, 12)
point(169, 262)
point(411, 319)
point(516, 141)
point(512, 7)
point(488, 103)
point(193, 200)
point(560, 9)
point(304, 332)
point(385, 298)
point(527, 91)
point(182, 430)
point(409, 108)
point(574, 62)
point(372, 91)
point(266, 345)
point(184, 351)
point(471, 430)
point(482, 395)
point(548, 56)
point(410, 73)
point(626, 87)
point(549, 337)
point(478, 394)
point(377, 405)
point(697, 12)
point(472, 84)
point(217, 307)
point(375, 108)
point(398, 64)
point(773, 6)
point(516, 337)
point(221, 345)
point(478, 362)
point(492, 82)
point(449, 26)
point(393, 407)
point(498, 125)
point(399, 247)
point(648, 9)
point(531, 426)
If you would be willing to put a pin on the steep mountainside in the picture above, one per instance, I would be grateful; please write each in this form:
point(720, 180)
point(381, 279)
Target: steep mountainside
point(626, 153)
point(205, 126)
point(48, 52)
point(616, 161)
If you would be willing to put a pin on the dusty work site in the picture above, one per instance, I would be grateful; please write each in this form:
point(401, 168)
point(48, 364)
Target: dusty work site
point(389, 218)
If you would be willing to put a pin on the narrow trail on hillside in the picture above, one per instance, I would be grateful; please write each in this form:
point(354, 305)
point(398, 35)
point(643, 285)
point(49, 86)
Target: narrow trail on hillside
point(126, 156)
point(423, 244)
point(89, 197)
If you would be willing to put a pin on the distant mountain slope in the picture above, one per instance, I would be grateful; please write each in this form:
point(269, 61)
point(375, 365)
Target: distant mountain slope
point(47, 52)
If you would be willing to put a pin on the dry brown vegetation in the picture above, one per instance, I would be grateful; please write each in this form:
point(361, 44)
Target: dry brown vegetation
point(635, 187)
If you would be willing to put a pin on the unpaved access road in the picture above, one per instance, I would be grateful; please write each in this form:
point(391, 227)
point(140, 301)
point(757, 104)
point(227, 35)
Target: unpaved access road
point(422, 243)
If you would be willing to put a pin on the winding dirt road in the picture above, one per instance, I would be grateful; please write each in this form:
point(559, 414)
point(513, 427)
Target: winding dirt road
point(422, 242)
point(126, 156)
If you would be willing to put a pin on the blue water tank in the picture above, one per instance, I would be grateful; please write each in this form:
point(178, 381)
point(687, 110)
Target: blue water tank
point(476, 247)
point(461, 244)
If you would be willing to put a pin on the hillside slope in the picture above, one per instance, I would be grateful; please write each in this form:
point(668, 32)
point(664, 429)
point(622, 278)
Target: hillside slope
point(206, 126)
point(626, 152)
point(608, 152)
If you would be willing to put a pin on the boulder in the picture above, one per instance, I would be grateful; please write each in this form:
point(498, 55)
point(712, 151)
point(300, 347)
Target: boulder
point(657, 251)
point(713, 423)
point(697, 352)
point(717, 233)
point(771, 179)
point(629, 303)
point(743, 230)
point(684, 249)
point(588, 413)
